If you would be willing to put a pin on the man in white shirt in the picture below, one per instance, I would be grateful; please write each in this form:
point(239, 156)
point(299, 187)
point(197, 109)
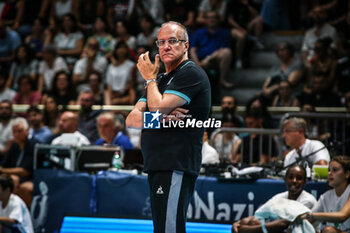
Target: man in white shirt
point(294, 130)
point(68, 127)
point(13, 211)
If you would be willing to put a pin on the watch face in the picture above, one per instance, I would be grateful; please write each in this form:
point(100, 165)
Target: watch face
point(148, 81)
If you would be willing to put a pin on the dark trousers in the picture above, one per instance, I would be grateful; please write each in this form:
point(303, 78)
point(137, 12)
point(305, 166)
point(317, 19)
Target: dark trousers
point(171, 192)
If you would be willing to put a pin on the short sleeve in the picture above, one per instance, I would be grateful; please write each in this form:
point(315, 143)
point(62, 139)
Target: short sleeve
point(61, 64)
point(186, 84)
point(322, 154)
point(319, 207)
point(34, 67)
point(79, 67)
point(143, 97)
point(16, 212)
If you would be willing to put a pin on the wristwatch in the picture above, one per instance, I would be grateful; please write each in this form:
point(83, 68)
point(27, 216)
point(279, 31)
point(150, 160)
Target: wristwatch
point(150, 80)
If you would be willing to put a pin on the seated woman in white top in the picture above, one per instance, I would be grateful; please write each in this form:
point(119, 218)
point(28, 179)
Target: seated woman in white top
point(120, 77)
point(295, 179)
point(333, 207)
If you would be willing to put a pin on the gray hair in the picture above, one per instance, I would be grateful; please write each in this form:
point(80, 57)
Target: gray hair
point(184, 30)
point(297, 123)
point(116, 119)
point(20, 121)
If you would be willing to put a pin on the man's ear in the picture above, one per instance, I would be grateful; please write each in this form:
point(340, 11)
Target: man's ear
point(347, 175)
point(187, 45)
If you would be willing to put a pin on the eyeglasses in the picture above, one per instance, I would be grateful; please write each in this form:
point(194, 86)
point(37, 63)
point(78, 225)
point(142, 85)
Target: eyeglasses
point(171, 41)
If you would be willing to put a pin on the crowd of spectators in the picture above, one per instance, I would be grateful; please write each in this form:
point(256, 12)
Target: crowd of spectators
point(65, 52)
point(104, 37)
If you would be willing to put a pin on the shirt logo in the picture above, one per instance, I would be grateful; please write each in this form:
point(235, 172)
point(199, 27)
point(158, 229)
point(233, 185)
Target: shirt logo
point(160, 190)
point(171, 79)
point(151, 120)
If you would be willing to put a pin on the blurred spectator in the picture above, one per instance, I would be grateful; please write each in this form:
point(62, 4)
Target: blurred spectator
point(343, 69)
point(110, 129)
point(62, 89)
point(228, 109)
point(27, 12)
point(148, 34)
point(294, 135)
point(51, 114)
point(119, 10)
point(123, 35)
point(96, 87)
point(320, 30)
point(119, 77)
point(333, 8)
point(37, 128)
point(59, 8)
point(258, 105)
point(275, 14)
point(209, 154)
point(289, 69)
point(9, 41)
point(50, 64)
point(285, 98)
point(51, 30)
point(15, 216)
point(244, 20)
point(254, 148)
point(44, 11)
point(6, 11)
point(181, 11)
point(36, 38)
point(25, 93)
point(90, 62)
point(23, 64)
point(6, 137)
point(316, 128)
point(224, 143)
point(152, 8)
point(88, 11)
point(18, 163)
point(321, 94)
point(323, 61)
point(105, 39)
point(68, 131)
point(211, 45)
point(207, 6)
point(87, 116)
point(344, 28)
point(69, 41)
point(5, 92)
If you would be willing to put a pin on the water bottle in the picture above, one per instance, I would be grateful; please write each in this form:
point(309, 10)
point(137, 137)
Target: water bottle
point(116, 161)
